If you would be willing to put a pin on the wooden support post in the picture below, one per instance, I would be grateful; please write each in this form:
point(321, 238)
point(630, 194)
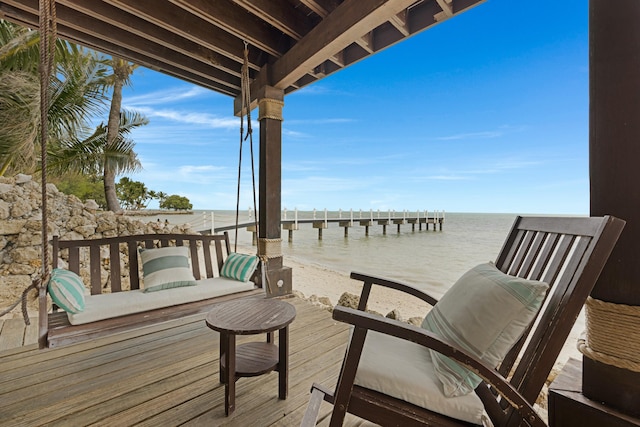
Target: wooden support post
point(614, 153)
point(366, 230)
point(384, 229)
point(320, 233)
point(270, 103)
point(290, 235)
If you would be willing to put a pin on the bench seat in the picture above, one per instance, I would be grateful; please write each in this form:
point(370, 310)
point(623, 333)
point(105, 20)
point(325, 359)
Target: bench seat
point(107, 306)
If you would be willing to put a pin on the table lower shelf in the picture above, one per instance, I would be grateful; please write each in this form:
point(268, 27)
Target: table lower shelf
point(254, 358)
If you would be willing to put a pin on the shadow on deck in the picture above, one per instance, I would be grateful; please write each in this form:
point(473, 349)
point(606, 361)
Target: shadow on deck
point(165, 375)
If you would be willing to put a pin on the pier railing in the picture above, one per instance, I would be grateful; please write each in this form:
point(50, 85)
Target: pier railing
point(344, 219)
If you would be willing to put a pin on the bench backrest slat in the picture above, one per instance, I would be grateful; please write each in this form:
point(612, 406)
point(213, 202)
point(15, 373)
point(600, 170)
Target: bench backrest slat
point(199, 249)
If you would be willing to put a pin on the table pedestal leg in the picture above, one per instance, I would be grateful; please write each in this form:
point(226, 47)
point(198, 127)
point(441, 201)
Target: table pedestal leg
point(230, 372)
point(283, 362)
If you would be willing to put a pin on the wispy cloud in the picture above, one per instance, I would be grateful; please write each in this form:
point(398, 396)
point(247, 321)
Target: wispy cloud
point(448, 177)
point(320, 121)
point(194, 118)
point(166, 96)
point(471, 135)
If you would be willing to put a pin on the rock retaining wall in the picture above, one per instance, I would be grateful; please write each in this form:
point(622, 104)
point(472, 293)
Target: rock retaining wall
point(67, 217)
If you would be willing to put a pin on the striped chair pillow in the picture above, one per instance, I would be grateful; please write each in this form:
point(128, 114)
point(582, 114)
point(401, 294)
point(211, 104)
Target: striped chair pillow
point(67, 290)
point(239, 266)
point(166, 268)
point(485, 312)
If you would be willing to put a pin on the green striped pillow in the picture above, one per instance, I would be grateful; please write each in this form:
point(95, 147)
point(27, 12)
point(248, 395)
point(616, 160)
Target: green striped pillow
point(239, 266)
point(485, 312)
point(67, 290)
point(166, 268)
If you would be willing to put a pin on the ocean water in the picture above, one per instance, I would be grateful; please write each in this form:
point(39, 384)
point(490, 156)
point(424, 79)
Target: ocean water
point(431, 260)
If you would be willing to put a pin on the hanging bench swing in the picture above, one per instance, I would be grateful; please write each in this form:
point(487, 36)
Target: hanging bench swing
point(202, 269)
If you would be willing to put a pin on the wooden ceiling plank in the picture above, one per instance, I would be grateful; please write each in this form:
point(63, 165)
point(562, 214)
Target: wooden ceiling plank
point(30, 20)
point(236, 21)
point(185, 24)
point(321, 7)
point(286, 19)
point(348, 22)
point(89, 30)
point(134, 24)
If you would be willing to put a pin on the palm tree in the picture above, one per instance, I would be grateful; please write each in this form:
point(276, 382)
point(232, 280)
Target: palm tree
point(121, 71)
point(77, 94)
point(93, 155)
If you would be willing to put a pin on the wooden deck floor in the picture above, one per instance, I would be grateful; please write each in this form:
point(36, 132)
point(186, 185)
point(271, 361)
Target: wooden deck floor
point(165, 375)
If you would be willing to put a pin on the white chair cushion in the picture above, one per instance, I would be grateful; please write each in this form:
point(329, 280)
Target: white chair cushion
point(404, 370)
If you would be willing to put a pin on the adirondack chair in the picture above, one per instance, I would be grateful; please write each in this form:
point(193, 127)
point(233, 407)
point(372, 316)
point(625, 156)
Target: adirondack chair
point(386, 358)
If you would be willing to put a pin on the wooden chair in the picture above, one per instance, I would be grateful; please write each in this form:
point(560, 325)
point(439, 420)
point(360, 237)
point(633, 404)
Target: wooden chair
point(566, 253)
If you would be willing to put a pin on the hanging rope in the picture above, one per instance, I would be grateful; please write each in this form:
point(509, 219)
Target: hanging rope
point(245, 108)
point(245, 105)
point(48, 36)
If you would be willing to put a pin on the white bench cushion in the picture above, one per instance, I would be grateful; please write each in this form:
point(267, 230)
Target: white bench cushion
point(107, 306)
point(404, 370)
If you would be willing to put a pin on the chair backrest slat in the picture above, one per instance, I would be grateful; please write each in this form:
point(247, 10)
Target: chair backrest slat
point(568, 254)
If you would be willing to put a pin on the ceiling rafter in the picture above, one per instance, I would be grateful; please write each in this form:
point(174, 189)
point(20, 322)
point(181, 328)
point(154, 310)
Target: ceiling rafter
point(234, 20)
point(292, 42)
point(346, 23)
point(399, 21)
point(291, 21)
point(76, 20)
point(199, 31)
point(134, 24)
point(447, 10)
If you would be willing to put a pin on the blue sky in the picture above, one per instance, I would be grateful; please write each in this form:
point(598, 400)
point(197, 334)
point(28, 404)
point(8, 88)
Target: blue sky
point(485, 112)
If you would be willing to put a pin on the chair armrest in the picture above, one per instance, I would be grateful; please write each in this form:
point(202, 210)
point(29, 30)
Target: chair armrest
point(427, 339)
point(388, 283)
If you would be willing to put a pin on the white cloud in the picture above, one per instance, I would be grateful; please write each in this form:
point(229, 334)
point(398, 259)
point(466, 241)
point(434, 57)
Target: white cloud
point(194, 118)
point(471, 135)
point(166, 96)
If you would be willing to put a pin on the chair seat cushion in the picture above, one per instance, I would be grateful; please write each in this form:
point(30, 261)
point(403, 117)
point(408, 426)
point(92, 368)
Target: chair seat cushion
point(412, 379)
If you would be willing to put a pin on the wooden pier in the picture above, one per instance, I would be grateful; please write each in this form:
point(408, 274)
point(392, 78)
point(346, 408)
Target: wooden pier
point(390, 218)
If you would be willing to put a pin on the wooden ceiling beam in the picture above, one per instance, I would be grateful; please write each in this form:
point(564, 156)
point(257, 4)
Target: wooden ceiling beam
point(399, 21)
point(196, 29)
point(236, 21)
point(348, 22)
point(73, 24)
point(134, 24)
point(447, 10)
point(321, 8)
point(289, 20)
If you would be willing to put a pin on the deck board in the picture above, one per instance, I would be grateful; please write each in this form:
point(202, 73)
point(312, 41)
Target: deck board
point(166, 374)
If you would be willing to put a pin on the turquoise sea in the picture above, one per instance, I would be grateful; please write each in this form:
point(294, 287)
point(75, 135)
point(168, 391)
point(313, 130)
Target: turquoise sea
point(432, 260)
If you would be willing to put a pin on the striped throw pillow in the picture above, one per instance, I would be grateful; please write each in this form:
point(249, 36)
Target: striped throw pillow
point(239, 266)
point(166, 268)
point(485, 312)
point(67, 290)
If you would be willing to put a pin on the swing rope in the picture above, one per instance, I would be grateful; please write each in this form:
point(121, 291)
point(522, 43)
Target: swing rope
point(245, 96)
point(48, 35)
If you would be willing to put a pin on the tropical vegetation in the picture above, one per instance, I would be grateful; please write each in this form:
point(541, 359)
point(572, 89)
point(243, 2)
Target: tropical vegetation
point(81, 156)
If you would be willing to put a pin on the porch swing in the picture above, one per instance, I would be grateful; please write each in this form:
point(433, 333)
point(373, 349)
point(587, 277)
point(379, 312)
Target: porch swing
point(204, 275)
